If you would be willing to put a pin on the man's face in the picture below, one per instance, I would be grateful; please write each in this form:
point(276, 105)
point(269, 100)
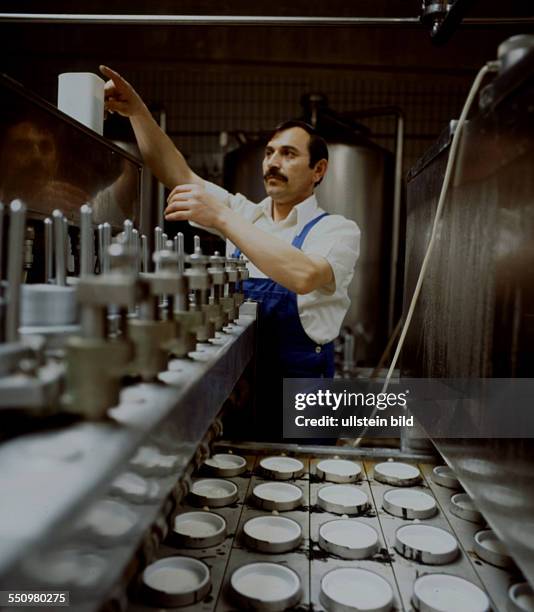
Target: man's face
point(287, 175)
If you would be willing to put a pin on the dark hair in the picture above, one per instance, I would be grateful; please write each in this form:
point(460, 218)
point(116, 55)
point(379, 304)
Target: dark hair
point(316, 146)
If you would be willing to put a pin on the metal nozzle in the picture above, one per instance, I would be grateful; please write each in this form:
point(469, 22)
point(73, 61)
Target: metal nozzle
point(180, 251)
point(136, 245)
point(49, 250)
point(59, 246)
point(158, 232)
point(86, 240)
point(104, 242)
point(14, 268)
point(144, 254)
point(128, 232)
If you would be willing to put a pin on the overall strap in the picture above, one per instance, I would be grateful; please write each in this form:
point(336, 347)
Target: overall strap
point(298, 240)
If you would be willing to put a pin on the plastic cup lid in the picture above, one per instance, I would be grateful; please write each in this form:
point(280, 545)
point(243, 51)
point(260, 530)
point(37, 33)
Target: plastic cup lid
point(462, 500)
point(427, 538)
point(522, 597)
point(273, 529)
point(199, 524)
point(443, 475)
point(462, 505)
point(343, 495)
point(349, 533)
point(339, 467)
point(411, 499)
point(396, 470)
point(444, 592)
point(280, 492)
point(357, 589)
point(490, 548)
point(176, 575)
point(226, 461)
point(214, 488)
point(266, 582)
point(284, 465)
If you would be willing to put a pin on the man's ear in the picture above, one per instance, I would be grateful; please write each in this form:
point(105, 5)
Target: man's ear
point(320, 169)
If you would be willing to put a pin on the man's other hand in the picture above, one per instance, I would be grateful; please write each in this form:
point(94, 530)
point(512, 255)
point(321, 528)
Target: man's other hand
point(194, 203)
point(120, 96)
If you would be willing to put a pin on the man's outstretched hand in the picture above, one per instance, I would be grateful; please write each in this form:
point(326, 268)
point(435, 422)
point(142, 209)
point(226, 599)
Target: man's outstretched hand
point(120, 96)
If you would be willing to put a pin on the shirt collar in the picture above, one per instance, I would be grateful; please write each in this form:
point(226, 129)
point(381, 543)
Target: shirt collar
point(300, 214)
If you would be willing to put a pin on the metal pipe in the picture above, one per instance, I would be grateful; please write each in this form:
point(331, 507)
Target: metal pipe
point(158, 234)
point(100, 235)
point(128, 232)
point(105, 265)
point(66, 243)
point(59, 246)
point(86, 240)
point(397, 198)
point(17, 228)
point(144, 254)
point(181, 252)
point(190, 20)
point(161, 186)
point(239, 20)
point(137, 250)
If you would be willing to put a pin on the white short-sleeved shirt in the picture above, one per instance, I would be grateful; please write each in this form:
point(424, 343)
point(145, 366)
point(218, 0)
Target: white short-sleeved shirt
point(334, 237)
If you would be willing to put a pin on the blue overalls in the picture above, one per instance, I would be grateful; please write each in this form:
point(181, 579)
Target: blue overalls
point(284, 350)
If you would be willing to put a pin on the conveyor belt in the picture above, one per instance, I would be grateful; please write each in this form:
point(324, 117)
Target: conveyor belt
point(311, 562)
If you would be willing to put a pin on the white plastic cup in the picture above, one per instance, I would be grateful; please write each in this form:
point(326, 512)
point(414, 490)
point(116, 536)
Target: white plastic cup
point(81, 96)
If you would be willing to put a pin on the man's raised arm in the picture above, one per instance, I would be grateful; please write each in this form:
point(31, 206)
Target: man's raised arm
point(157, 149)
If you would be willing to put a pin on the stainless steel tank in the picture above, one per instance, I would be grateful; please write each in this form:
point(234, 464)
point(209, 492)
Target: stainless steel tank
point(358, 185)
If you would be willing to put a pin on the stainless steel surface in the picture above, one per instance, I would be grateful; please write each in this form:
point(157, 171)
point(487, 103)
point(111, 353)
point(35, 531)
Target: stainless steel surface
point(17, 221)
point(474, 317)
point(311, 563)
point(356, 186)
point(68, 470)
point(52, 161)
point(189, 20)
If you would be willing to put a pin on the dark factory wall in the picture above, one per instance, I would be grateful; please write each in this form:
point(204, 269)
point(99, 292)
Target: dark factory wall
point(249, 78)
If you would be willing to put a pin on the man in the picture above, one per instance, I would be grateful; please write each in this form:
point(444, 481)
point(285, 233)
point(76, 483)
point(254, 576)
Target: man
point(301, 259)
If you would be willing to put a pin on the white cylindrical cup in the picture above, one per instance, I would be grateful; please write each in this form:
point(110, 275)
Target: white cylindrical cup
point(81, 96)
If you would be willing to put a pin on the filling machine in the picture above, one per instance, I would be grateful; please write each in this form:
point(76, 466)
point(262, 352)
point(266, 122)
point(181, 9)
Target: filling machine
point(120, 356)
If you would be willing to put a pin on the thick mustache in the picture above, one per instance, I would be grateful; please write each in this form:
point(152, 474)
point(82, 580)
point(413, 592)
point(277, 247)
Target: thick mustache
point(274, 174)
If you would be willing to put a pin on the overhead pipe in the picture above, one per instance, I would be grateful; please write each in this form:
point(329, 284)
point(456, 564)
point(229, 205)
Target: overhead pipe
point(243, 20)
